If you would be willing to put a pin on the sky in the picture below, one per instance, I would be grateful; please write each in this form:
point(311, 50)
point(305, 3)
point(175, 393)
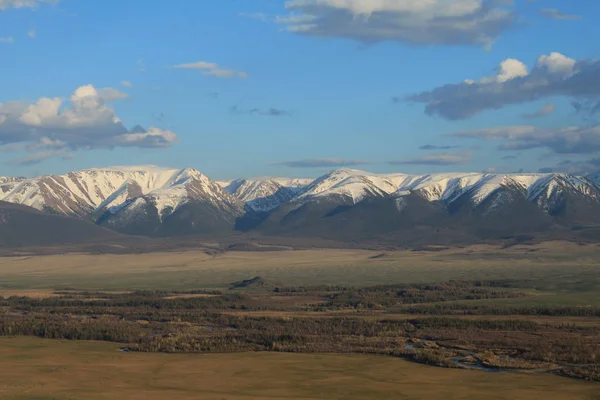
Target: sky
point(247, 88)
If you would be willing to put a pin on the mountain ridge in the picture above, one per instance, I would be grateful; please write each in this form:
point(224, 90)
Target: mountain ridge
point(155, 201)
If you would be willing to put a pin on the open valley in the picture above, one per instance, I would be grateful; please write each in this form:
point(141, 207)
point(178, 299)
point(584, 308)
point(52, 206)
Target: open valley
point(456, 323)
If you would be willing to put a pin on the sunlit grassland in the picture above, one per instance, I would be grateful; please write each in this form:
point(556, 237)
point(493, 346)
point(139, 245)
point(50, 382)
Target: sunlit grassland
point(557, 273)
point(33, 368)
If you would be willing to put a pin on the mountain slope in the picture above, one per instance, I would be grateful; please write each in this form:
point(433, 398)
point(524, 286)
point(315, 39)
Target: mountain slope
point(260, 195)
point(351, 204)
point(24, 226)
point(350, 185)
point(343, 204)
point(84, 192)
point(264, 194)
point(190, 203)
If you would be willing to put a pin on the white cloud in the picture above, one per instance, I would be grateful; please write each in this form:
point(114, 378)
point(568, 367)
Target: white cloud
point(7, 39)
point(32, 33)
point(126, 84)
point(212, 69)
point(556, 64)
point(197, 65)
point(423, 22)
point(153, 137)
point(552, 75)
point(507, 70)
point(6, 4)
point(50, 126)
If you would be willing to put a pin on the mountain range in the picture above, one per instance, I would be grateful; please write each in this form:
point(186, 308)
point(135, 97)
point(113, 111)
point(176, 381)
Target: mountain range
point(344, 204)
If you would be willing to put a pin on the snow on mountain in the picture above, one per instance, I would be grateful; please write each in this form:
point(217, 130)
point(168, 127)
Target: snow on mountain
point(184, 187)
point(440, 187)
point(187, 203)
point(549, 191)
point(8, 183)
point(446, 188)
point(190, 185)
point(264, 194)
point(97, 189)
point(545, 190)
point(120, 189)
point(351, 184)
point(293, 184)
point(260, 195)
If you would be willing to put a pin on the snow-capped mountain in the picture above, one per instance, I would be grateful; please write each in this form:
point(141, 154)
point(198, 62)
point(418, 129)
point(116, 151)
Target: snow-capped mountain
point(83, 192)
point(351, 184)
point(188, 203)
point(111, 189)
point(184, 186)
point(356, 185)
point(260, 195)
point(120, 195)
point(8, 183)
point(157, 201)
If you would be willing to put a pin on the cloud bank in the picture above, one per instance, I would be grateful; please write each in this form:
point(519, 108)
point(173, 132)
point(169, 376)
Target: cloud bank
point(50, 126)
point(422, 22)
point(568, 140)
point(552, 75)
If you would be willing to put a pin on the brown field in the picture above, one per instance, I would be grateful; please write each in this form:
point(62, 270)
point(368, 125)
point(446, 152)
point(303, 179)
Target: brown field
point(382, 315)
point(188, 296)
point(196, 269)
point(547, 275)
point(51, 369)
point(36, 294)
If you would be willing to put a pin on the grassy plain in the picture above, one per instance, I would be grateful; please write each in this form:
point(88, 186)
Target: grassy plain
point(36, 369)
point(550, 274)
point(554, 266)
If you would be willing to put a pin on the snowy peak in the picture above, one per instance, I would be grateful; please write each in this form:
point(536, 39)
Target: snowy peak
point(440, 187)
point(181, 187)
point(161, 201)
point(265, 194)
point(351, 184)
point(293, 184)
point(8, 183)
point(475, 188)
point(550, 192)
point(260, 195)
point(97, 189)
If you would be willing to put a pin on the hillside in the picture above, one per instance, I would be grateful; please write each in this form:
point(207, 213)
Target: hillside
point(22, 226)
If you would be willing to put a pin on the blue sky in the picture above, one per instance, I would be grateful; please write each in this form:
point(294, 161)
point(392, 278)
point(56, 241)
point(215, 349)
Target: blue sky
point(267, 87)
